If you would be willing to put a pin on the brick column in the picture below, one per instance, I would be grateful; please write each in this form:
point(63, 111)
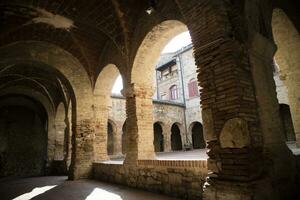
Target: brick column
point(139, 124)
point(241, 127)
point(82, 149)
point(90, 138)
point(229, 108)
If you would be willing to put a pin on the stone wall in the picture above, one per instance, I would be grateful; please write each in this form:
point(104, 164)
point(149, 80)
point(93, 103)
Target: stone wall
point(183, 179)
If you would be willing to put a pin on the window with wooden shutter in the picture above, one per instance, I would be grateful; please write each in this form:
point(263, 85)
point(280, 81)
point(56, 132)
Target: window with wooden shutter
point(193, 89)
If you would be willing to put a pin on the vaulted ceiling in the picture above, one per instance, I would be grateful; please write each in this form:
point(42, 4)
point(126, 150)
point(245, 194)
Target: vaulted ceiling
point(83, 28)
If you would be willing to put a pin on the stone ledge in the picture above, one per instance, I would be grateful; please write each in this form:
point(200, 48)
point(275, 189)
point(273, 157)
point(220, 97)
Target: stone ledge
point(178, 178)
point(202, 164)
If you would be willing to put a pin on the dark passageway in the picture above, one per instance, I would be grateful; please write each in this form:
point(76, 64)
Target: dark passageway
point(23, 137)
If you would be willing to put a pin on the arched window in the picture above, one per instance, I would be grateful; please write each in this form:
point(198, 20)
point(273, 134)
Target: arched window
point(173, 92)
point(193, 89)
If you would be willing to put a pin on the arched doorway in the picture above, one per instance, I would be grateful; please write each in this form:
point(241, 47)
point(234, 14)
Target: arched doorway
point(287, 121)
point(110, 139)
point(197, 136)
point(158, 138)
point(124, 144)
point(176, 142)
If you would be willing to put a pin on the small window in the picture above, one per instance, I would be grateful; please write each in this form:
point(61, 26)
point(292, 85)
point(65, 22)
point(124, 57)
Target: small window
point(193, 89)
point(173, 92)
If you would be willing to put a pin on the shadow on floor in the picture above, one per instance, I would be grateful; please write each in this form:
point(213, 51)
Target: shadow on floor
point(43, 189)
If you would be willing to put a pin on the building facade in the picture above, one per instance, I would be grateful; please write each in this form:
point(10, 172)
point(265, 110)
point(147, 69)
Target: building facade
point(176, 104)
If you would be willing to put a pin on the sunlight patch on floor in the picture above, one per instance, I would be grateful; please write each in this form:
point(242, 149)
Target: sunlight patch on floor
point(103, 195)
point(35, 192)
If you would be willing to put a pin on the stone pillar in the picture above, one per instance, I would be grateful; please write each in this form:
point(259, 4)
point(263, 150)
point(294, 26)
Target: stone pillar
point(118, 141)
point(101, 116)
point(139, 124)
point(167, 137)
point(60, 128)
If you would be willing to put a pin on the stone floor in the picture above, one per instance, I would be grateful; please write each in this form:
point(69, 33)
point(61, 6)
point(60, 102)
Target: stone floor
point(58, 188)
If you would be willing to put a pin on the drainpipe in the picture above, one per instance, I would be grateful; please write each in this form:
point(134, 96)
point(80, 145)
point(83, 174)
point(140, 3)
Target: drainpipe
point(156, 78)
point(183, 94)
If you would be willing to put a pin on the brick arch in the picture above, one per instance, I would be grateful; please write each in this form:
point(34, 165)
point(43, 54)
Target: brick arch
point(68, 68)
point(55, 58)
point(150, 50)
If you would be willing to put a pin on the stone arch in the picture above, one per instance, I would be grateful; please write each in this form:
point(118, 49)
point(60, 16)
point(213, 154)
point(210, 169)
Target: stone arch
point(150, 50)
point(69, 69)
point(285, 114)
point(106, 80)
point(139, 88)
point(60, 129)
point(158, 137)
point(196, 130)
point(287, 39)
point(176, 139)
point(102, 95)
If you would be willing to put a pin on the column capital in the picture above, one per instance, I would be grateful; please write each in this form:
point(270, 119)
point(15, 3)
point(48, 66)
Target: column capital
point(135, 90)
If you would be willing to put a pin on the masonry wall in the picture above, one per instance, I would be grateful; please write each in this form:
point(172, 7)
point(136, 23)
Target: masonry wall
point(183, 179)
point(165, 113)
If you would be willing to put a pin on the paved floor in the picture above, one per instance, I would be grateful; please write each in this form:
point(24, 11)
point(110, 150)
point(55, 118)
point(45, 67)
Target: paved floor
point(58, 188)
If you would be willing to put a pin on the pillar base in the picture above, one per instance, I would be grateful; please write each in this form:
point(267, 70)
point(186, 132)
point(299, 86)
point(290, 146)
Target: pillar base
point(229, 190)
